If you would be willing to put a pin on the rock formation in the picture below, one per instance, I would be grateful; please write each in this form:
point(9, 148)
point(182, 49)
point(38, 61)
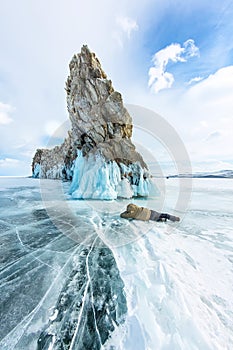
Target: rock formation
point(98, 155)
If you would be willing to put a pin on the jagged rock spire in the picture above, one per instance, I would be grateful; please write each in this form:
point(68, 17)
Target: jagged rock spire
point(99, 119)
point(101, 129)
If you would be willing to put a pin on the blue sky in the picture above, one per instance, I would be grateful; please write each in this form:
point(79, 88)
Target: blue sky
point(173, 57)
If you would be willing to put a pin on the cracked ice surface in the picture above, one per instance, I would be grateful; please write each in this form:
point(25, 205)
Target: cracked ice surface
point(76, 276)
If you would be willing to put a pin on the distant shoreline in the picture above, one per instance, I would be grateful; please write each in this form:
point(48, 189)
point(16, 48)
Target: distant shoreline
point(198, 177)
point(153, 176)
point(222, 174)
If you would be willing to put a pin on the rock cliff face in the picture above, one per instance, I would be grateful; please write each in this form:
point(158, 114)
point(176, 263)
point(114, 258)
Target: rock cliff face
point(99, 142)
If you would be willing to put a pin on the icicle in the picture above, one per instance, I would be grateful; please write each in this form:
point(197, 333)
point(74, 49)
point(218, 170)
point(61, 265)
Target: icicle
point(94, 178)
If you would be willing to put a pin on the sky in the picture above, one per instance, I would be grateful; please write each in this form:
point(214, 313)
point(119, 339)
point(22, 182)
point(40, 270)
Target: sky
point(172, 57)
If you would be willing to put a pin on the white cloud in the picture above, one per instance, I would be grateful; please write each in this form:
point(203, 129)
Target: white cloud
point(190, 49)
point(5, 111)
point(204, 123)
point(212, 165)
point(14, 167)
point(159, 79)
point(218, 85)
point(206, 111)
point(213, 136)
point(195, 80)
point(51, 127)
point(127, 25)
point(8, 162)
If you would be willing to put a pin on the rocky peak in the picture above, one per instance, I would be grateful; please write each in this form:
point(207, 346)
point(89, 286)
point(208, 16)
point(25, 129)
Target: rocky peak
point(96, 110)
point(101, 126)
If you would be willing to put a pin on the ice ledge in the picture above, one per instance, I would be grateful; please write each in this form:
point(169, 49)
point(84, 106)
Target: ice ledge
point(94, 178)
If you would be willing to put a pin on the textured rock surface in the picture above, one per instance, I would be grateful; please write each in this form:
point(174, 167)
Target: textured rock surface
point(99, 119)
point(100, 123)
point(55, 163)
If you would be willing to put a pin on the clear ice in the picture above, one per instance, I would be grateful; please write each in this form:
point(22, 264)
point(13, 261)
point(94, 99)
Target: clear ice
point(74, 275)
point(94, 178)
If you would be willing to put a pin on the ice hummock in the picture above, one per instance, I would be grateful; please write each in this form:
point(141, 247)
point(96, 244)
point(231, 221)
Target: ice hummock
point(94, 178)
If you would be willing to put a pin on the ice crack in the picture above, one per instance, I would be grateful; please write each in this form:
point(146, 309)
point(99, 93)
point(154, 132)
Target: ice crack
point(72, 344)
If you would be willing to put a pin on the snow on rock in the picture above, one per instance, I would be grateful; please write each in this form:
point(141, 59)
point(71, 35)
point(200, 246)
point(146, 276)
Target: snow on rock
point(97, 155)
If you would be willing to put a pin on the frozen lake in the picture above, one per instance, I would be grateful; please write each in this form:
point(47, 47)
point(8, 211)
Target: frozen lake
point(74, 275)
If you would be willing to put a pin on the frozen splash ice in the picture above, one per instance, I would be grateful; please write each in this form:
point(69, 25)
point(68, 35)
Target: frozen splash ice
point(94, 178)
